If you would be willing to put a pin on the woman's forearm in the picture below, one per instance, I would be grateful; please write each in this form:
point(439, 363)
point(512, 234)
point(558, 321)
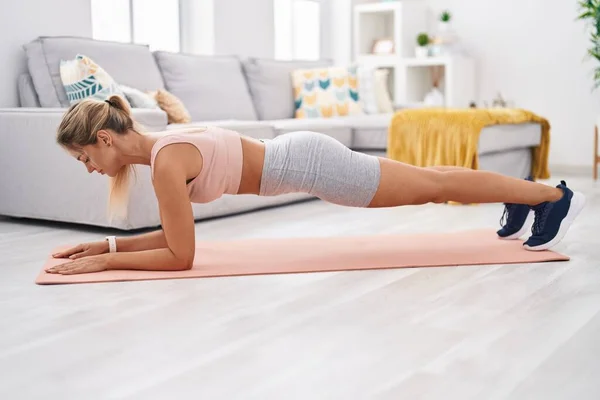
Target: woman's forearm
point(147, 241)
point(147, 260)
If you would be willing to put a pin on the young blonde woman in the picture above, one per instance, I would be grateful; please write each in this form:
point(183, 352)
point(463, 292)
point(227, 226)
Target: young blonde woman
point(200, 165)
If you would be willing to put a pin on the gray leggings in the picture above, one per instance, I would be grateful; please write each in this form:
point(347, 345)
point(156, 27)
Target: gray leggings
point(314, 163)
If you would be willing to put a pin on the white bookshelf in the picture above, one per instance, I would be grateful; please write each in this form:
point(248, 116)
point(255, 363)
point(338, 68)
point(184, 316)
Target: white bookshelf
point(398, 20)
point(410, 77)
point(414, 80)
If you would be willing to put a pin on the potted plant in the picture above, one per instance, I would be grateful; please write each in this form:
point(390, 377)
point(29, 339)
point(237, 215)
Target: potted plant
point(422, 49)
point(590, 13)
point(445, 18)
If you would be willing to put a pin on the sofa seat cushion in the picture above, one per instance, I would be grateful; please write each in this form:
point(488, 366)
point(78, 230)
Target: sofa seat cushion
point(128, 64)
point(334, 127)
point(254, 129)
point(504, 137)
point(270, 83)
point(211, 87)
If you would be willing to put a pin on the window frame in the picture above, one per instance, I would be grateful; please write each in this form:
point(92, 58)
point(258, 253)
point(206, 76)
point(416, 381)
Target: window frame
point(290, 24)
point(131, 27)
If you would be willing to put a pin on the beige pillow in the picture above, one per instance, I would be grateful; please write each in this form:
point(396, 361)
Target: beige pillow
point(175, 109)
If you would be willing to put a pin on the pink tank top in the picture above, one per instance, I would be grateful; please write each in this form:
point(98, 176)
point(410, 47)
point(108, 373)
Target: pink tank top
point(222, 159)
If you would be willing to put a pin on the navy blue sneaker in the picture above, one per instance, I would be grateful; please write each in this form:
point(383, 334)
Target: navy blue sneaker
point(553, 219)
point(516, 220)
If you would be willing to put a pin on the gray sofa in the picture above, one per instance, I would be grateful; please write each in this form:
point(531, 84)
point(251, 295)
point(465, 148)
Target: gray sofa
point(253, 96)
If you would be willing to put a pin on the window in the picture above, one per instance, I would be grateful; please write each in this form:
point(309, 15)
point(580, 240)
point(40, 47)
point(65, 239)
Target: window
point(306, 34)
point(111, 20)
point(151, 22)
point(156, 23)
point(297, 29)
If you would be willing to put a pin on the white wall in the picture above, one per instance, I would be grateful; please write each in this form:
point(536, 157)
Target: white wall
point(244, 28)
point(24, 20)
point(339, 31)
point(329, 13)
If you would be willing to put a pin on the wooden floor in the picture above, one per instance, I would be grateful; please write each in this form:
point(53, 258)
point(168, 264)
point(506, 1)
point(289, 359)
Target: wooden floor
point(485, 332)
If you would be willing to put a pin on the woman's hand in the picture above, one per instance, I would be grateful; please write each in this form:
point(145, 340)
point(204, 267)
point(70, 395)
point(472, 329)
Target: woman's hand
point(84, 250)
point(82, 266)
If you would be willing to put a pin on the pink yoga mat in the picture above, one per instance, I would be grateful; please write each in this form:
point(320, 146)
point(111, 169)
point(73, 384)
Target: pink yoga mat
point(321, 254)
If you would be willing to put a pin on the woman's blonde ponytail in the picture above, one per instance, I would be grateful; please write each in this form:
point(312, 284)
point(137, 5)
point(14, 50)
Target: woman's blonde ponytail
point(80, 126)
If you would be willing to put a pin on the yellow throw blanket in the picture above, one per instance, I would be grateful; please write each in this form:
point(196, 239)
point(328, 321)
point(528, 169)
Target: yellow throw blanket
point(444, 136)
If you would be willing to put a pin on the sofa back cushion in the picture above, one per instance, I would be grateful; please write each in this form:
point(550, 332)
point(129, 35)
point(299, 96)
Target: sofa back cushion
point(27, 95)
point(210, 87)
point(270, 83)
point(128, 64)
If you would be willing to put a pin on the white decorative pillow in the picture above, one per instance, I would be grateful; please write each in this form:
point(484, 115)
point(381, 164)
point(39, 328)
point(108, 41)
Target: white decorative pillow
point(382, 93)
point(373, 90)
point(83, 78)
point(366, 89)
point(139, 99)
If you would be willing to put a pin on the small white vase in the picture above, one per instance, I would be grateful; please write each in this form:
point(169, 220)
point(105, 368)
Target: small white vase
point(434, 98)
point(444, 27)
point(421, 51)
point(436, 50)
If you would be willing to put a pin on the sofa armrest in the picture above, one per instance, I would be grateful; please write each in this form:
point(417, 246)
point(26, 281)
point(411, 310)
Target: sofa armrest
point(39, 179)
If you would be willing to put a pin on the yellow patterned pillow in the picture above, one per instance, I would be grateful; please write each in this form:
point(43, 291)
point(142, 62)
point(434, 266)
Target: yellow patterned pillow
point(326, 92)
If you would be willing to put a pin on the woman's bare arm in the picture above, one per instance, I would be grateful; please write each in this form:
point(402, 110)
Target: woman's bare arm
point(147, 260)
point(177, 238)
point(147, 241)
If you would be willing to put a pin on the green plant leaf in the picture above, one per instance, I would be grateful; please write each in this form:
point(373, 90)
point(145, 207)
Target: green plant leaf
point(596, 78)
point(422, 39)
point(594, 54)
point(589, 11)
point(445, 16)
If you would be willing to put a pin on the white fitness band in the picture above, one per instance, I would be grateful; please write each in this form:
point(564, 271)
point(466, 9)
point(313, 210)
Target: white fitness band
point(112, 244)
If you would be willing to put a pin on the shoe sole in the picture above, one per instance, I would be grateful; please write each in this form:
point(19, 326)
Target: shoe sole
point(577, 204)
point(524, 229)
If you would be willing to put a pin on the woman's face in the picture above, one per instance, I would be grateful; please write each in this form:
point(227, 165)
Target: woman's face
point(101, 157)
